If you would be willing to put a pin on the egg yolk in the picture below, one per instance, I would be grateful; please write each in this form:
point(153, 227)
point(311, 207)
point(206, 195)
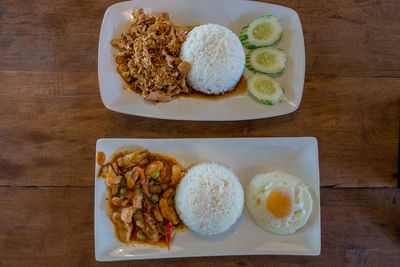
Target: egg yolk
point(279, 204)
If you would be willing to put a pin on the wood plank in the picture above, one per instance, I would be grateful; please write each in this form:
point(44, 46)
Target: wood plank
point(54, 225)
point(51, 121)
point(348, 38)
point(342, 38)
point(49, 35)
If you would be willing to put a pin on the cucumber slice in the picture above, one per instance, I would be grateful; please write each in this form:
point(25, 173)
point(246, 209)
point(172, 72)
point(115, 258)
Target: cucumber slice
point(262, 31)
point(265, 89)
point(267, 60)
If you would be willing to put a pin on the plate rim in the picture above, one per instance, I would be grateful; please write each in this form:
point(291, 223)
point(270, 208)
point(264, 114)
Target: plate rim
point(165, 116)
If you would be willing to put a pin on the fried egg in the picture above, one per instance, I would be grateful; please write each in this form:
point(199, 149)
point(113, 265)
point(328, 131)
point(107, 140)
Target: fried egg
point(278, 202)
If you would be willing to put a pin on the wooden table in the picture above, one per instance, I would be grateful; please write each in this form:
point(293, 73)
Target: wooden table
point(51, 115)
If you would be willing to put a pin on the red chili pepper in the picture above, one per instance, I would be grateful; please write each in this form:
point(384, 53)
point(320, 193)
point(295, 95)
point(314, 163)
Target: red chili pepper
point(159, 180)
point(142, 173)
point(168, 230)
point(134, 231)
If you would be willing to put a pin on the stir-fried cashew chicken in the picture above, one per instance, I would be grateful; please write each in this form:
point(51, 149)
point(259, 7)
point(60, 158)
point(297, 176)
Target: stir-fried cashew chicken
point(141, 188)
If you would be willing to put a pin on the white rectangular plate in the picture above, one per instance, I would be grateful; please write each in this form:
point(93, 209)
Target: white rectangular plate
point(232, 14)
point(247, 157)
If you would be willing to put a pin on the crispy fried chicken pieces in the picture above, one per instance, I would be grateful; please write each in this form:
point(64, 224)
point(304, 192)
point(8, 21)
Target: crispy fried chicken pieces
point(149, 57)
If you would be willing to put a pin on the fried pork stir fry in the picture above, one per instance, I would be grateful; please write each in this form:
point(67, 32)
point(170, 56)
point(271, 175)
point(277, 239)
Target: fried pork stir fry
point(149, 57)
point(141, 189)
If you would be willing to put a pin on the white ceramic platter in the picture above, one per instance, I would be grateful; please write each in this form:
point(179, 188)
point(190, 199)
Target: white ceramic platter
point(247, 157)
point(232, 14)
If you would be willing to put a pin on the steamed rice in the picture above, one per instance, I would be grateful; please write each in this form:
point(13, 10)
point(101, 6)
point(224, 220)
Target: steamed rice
point(216, 56)
point(209, 198)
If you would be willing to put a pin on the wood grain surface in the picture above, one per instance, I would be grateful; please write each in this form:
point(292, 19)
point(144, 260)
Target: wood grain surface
point(51, 115)
point(56, 226)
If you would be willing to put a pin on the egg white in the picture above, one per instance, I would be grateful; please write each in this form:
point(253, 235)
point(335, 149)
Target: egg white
point(257, 193)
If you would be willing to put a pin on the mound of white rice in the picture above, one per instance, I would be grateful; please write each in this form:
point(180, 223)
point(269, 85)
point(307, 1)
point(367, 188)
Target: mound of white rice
point(209, 198)
point(216, 56)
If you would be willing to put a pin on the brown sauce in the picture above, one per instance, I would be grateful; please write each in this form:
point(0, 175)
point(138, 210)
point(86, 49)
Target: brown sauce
point(100, 158)
point(240, 89)
point(159, 244)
